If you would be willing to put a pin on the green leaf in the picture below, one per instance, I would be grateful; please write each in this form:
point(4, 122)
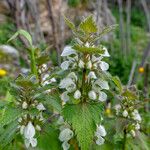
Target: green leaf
point(88, 25)
point(69, 23)
point(8, 134)
point(90, 50)
point(24, 33)
point(83, 118)
point(117, 81)
point(108, 29)
point(10, 115)
point(55, 102)
point(50, 135)
point(42, 59)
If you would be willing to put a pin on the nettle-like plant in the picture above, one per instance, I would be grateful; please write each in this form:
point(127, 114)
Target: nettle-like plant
point(85, 84)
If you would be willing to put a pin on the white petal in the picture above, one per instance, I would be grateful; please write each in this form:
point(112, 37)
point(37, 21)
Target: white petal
point(100, 141)
point(27, 143)
point(65, 83)
point(29, 131)
point(89, 65)
point(64, 96)
point(68, 51)
point(102, 96)
point(71, 87)
point(73, 76)
point(87, 44)
point(100, 131)
point(81, 64)
point(92, 75)
point(33, 142)
point(38, 128)
point(92, 95)
point(40, 107)
point(77, 94)
point(65, 135)
point(103, 84)
point(104, 66)
point(65, 65)
point(65, 145)
point(106, 54)
point(52, 80)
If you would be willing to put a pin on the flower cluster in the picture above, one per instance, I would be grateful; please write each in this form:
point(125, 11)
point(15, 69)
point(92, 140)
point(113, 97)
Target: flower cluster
point(128, 110)
point(90, 66)
point(28, 124)
point(65, 135)
point(100, 134)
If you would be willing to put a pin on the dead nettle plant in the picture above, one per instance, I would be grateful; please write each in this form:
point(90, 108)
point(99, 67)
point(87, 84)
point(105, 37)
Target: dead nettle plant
point(62, 105)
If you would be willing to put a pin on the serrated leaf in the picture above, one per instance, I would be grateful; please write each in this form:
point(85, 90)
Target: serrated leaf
point(88, 25)
point(117, 82)
point(89, 50)
point(10, 115)
point(69, 23)
point(83, 118)
point(8, 134)
point(24, 33)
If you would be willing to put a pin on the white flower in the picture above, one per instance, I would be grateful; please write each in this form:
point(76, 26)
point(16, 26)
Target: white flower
point(92, 75)
point(81, 64)
point(22, 129)
point(68, 84)
point(38, 128)
point(40, 107)
point(52, 80)
point(77, 94)
point(64, 96)
point(32, 141)
point(44, 67)
point(60, 120)
point(89, 65)
point(68, 51)
point(125, 113)
point(29, 131)
point(92, 95)
point(65, 65)
point(65, 145)
point(24, 105)
point(132, 133)
point(73, 76)
point(137, 126)
point(117, 108)
point(101, 83)
point(100, 141)
point(136, 115)
point(87, 44)
point(65, 135)
point(106, 54)
point(100, 131)
point(45, 77)
point(102, 96)
point(104, 66)
point(20, 119)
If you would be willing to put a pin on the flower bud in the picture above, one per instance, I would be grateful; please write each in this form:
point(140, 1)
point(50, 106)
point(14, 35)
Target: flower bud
point(92, 95)
point(24, 105)
point(38, 128)
point(132, 133)
point(89, 65)
point(125, 113)
point(40, 107)
point(77, 94)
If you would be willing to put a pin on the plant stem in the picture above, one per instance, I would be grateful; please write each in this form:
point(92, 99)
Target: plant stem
point(124, 139)
point(33, 63)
